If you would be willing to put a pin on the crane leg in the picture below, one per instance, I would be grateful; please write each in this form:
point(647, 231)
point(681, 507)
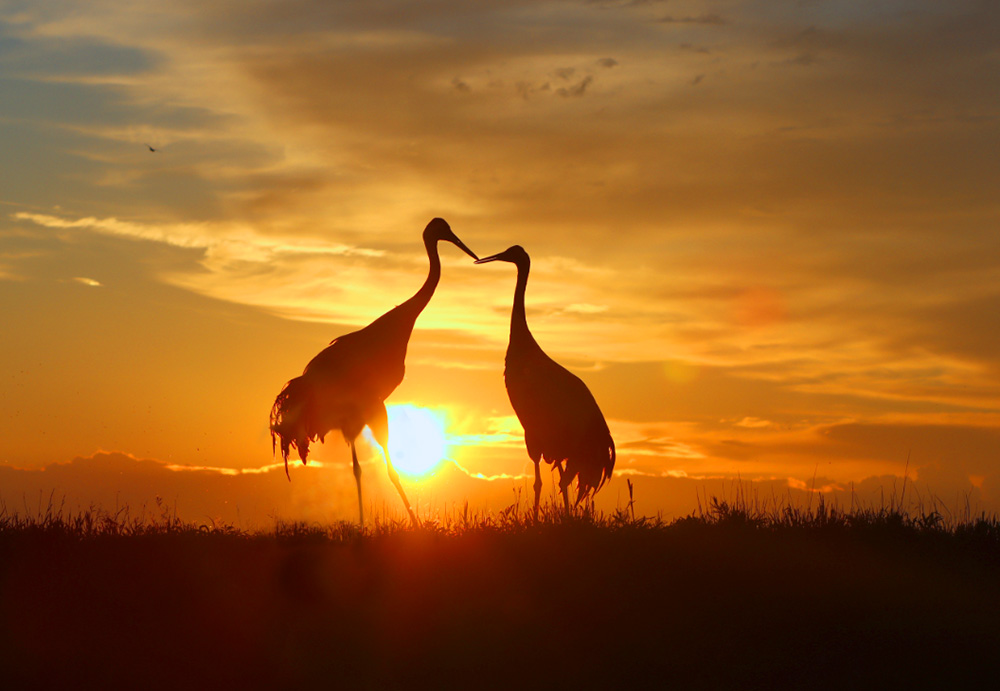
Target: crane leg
point(564, 480)
point(394, 476)
point(380, 430)
point(538, 489)
point(357, 479)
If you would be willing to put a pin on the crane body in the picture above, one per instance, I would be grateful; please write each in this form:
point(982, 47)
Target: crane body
point(563, 425)
point(344, 387)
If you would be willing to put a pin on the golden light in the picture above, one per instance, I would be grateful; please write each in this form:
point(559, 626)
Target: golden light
point(417, 440)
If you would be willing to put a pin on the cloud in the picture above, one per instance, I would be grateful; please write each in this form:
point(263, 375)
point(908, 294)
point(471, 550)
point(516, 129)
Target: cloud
point(252, 499)
point(112, 481)
point(661, 447)
point(707, 18)
point(577, 89)
point(754, 423)
point(965, 328)
point(585, 308)
point(945, 457)
point(305, 89)
point(801, 246)
point(71, 58)
point(624, 3)
point(973, 449)
point(235, 262)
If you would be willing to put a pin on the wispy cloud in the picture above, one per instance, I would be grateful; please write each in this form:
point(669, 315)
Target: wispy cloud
point(707, 18)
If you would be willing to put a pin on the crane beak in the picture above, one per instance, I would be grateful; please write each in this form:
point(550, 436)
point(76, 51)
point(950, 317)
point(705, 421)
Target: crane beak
point(491, 258)
point(461, 245)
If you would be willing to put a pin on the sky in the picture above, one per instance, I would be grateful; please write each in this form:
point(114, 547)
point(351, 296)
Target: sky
point(764, 233)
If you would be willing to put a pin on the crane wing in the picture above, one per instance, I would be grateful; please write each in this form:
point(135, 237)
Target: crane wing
point(369, 361)
point(342, 385)
point(555, 407)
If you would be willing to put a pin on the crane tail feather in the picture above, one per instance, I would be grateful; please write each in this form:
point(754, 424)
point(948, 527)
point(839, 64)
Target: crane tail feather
point(593, 468)
point(291, 420)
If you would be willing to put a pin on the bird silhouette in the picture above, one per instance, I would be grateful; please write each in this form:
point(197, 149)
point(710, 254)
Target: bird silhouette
point(562, 422)
point(150, 148)
point(344, 387)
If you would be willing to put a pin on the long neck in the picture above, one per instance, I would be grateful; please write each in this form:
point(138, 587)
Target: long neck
point(518, 319)
point(419, 301)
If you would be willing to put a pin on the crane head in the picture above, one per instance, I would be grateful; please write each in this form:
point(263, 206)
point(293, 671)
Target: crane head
point(438, 229)
point(514, 255)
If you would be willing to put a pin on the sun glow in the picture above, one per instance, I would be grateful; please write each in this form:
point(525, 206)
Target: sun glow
point(417, 440)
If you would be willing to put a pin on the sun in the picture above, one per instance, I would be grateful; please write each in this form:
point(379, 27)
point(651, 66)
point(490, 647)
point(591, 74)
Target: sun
point(417, 440)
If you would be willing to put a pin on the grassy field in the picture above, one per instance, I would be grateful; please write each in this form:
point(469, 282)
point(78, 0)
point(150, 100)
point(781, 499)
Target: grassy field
point(737, 596)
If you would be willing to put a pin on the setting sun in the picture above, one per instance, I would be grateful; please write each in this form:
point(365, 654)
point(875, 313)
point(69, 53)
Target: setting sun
point(416, 438)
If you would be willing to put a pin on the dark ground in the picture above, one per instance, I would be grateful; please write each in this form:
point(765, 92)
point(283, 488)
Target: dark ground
point(692, 605)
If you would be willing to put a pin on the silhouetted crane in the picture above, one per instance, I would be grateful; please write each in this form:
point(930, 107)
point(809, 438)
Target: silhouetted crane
point(150, 148)
point(344, 387)
point(562, 422)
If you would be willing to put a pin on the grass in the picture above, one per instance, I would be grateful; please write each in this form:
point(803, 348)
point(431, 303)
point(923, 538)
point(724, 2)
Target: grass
point(742, 510)
point(746, 592)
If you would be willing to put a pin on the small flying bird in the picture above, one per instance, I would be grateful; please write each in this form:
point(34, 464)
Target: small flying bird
point(344, 387)
point(562, 422)
point(150, 148)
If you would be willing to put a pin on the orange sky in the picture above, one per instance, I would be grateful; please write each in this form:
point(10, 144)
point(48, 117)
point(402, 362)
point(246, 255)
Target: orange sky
point(763, 233)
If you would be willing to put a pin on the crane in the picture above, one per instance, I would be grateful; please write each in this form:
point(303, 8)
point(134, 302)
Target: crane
point(344, 387)
point(562, 422)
